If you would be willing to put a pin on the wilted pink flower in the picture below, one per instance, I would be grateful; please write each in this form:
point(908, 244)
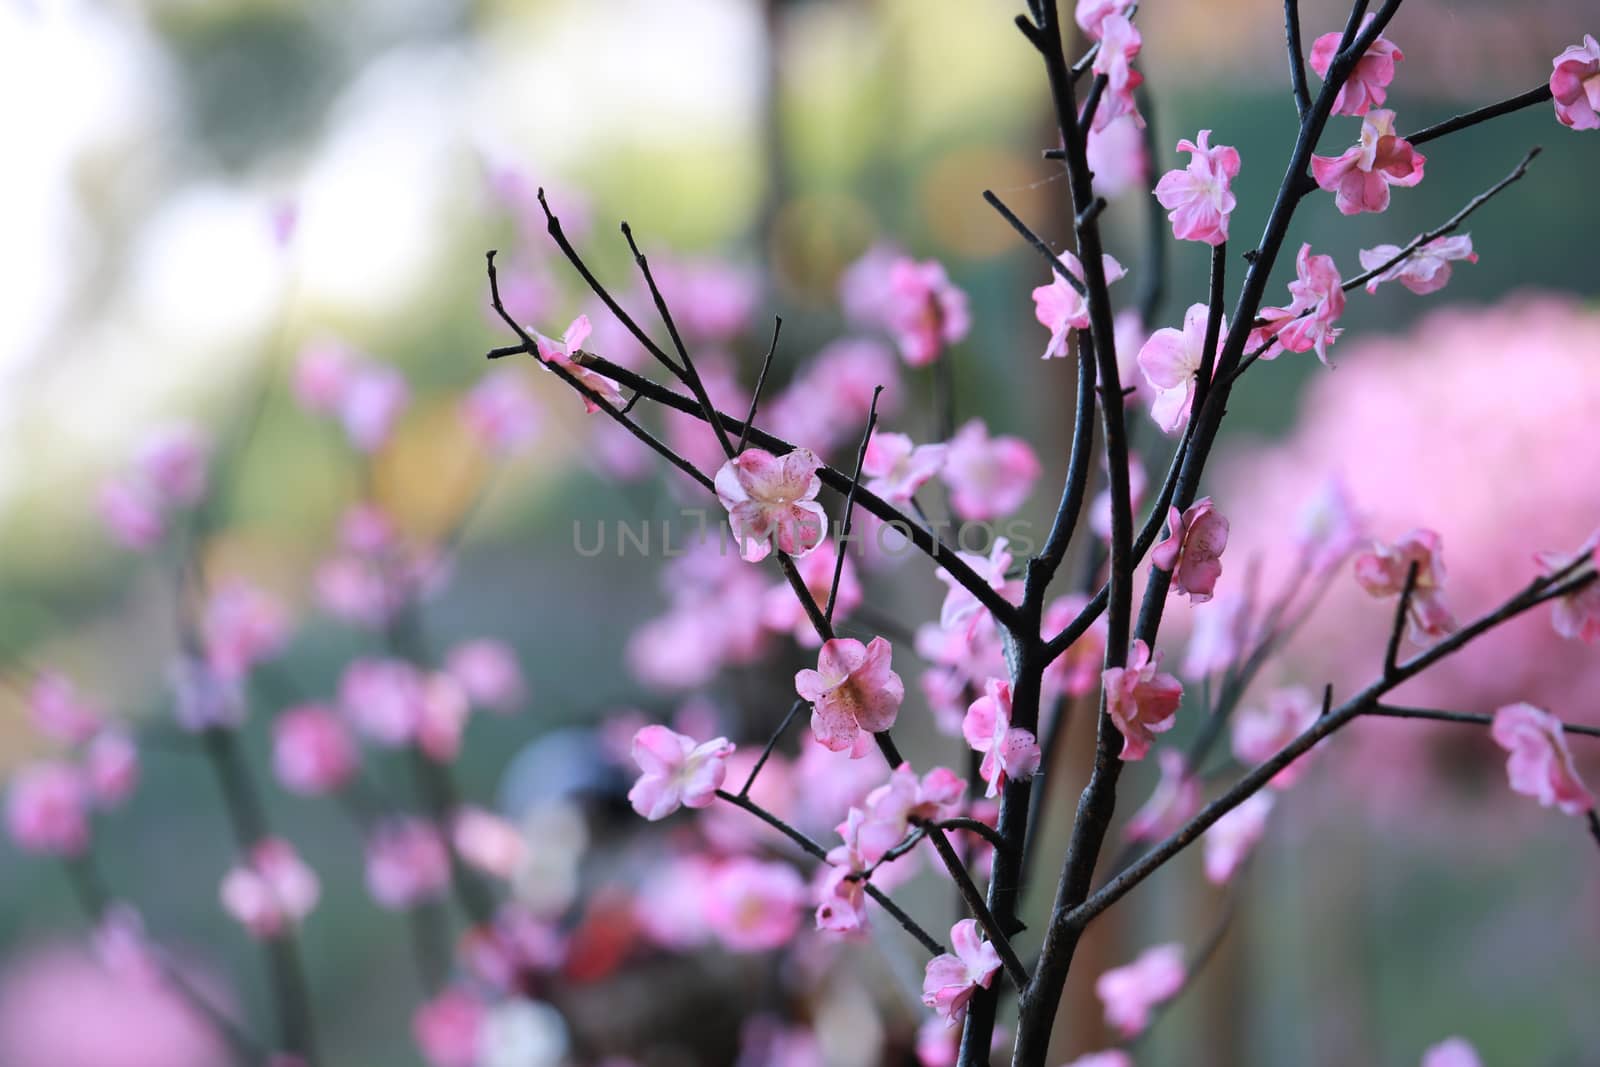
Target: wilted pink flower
point(1540, 765)
point(1198, 197)
point(988, 477)
point(1317, 301)
point(753, 906)
point(1451, 1052)
point(1061, 309)
point(1010, 753)
point(321, 376)
point(407, 862)
point(1360, 178)
point(1230, 840)
point(1424, 271)
point(925, 311)
point(373, 400)
point(312, 750)
point(771, 502)
point(448, 1029)
point(171, 461)
point(1382, 572)
point(1575, 616)
point(488, 671)
point(896, 468)
point(1119, 44)
point(111, 768)
point(852, 690)
point(1192, 549)
point(47, 810)
point(1260, 731)
point(1369, 78)
point(383, 699)
point(1575, 85)
point(131, 513)
point(1171, 361)
point(782, 610)
point(501, 411)
point(566, 353)
point(1141, 701)
point(952, 979)
point(677, 771)
point(58, 711)
point(272, 891)
point(242, 626)
point(1130, 992)
point(1174, 801)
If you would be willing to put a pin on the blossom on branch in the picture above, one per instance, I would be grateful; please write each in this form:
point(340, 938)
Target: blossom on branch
point(1575, 616)
point(925, 311)
point(951, 980)
point(896, 468)
point(771, 502)
point(1192, 550)
point(1369, 79)
point(566, 354)
point(852, 690)
point(1141, 700)
point(1308, 322)
point(47, 810)
point(678, 772)
point(1198, 197)
point(1540, 765)
point(1575, 85)
point(1010, 753)
point(272, 891)
point(1060, 308)
point(1171, 361)
point(1260, 731)
point(1382, 572)
point(1119, 44)
point(1131, 992)
point(1425, 270)
point(1360, 178)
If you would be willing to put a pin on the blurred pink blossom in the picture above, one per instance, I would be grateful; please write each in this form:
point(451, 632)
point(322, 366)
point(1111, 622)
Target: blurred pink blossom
point(488, 671)
point(753, 905)
point(242, 626)
point(989, 477)
point(383, 699)
point(1451, 1052)
point(448, 1029)
point(1173, 802)
point(1261, 730)
point(1540, 764)
point(1424, 271)
point(111, 768)
point(1130, 992)
point(925, 312)
point(501, 412)
point(407, 863)
point(47, 810)
point(272, 891)
point(59, 712)
point(313, 752)
point(1230, 840)
point(371, 403)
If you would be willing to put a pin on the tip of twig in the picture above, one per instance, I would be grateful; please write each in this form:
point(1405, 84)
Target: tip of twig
point(489, 255)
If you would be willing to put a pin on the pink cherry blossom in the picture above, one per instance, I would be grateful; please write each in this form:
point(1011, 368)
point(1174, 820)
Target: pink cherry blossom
point(321, 375)
point(1317, 301)
point(60, 713)
point(1451, 1052)
point(444, 712)
point(1010, 753)
point(1192, 549)
point(924, 310)
point(1118, 158)
point(383, 699)
point(242, 626)
point(488, 842)
point(841, 896)
point(1141, 701)
point(1061, 309)
point(131, 514)
point(1360, 178)
point(272, 891)
point(47, 810)
point(961, 605)
point(111, 768)
point(488, 671)
point(407, 863)
point(1171, 361)
point(1132, 991)
point(853, 689)
point(501, 412)
point(896, 468)
point(1091, 13)
point(1382, 572)
point(951, 979)
point(1369, 79)
point(1230, 840)
point(781, 609)
point(1424, 271)
point(1575, 616)
point(448, 1029)
point(1198, 197)
point(566, 354)
point(677, 771)
point(1260, 731)
point(172, 462)
point(1541, 764)
point(1575, 85)
point(771, 502)
point(1119, 44)
point(988, 477)
point(372, 402)
point(754, 906)
point(312, 750)
point(1173, 802)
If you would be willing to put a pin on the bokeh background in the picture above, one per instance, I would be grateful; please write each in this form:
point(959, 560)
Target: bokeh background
point(1402, 895)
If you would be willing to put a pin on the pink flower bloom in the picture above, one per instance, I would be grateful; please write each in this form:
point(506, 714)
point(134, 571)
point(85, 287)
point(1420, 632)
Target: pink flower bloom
point(1141, 701)
point(1175, 800)
point(1130, 992)
point(1010, 753)
point(445, 709)
point(1360, 178)
point(242, 627)
point(754, 906)
point(448, 1029)
point(1316, 304)
point(488, 842)
point(321, 376)
point(1382, 572)
point(771, 502)
point(272, 891)
point(312, 750)
point(988, 478)
point(853, 689)
point(1575, 85)
point(172, 462)
point(1424, 271)
point(132, 514)
point(1451, 1052)
point(841, 897)
point(1193, 549)
point(896, 468)
point(60, 713)
point(47, 810)
point(407, 863)
point(383, 699)
point(1091, 13)
point(1171, 361)
point(372, 401)
point(961, 605)
point(677, 771)
point(1061, 309)
point(1198, 197)
point(782, 610)
point(1260, 731)
point(1119, 44)
point(711, 301)
point(501, 412)
point(1369, 79)
point(489, 673)
point(1118, 158)
point(1575, 616)
point(1230, 840)
point(950, 980)
point(925, 312)
point(1540, 765)
point(565, 354)
point(111, 768)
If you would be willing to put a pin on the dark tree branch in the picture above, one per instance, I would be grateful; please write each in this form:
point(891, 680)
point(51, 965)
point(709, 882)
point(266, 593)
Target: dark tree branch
point(1537, 95)
point(1391, 711)
point(1297, 58)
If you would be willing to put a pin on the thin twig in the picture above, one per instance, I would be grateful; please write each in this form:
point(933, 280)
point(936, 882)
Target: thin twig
point(1536, 95)
point(843, 540)
point(1297, 58)
point(761, 380)
point(1391, 654)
